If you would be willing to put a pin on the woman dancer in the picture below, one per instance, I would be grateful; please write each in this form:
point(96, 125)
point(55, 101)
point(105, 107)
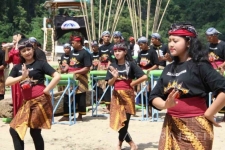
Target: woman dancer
point(36, 111)
point(120, 74)
point(182, 90)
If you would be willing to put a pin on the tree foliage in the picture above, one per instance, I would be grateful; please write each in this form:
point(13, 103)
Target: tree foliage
point(27, 17)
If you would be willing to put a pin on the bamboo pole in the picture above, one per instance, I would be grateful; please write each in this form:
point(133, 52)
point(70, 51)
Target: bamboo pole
point(103, 21)
point(148, 17)
point(117, 19)
point(110, 8)
point(135, 18)
point(92, 20)
point(99, 18)
point(85, 5)
point(165, 9)
point(116, 15)
point(140, 20)
point(156, 16)
point(131, 18)
point(84, 11)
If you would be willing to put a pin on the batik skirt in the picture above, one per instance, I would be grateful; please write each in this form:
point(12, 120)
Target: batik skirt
point(35, 113)
point(122, 102)
point(195, 133)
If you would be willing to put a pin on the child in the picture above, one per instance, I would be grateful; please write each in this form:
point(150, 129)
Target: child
point(36, 110)
point(95, 55)
point(120, 74)
point(64, 62)
point(147, 60)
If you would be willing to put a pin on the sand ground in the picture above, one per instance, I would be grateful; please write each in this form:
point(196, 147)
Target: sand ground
point(94, 133)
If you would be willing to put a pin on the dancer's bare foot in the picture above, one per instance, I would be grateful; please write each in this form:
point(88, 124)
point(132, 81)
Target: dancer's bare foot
point(79, 118)
point(133, 146)
point(119, 146)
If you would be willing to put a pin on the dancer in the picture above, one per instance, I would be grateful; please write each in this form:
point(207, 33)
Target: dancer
point(182, 89)
point(36, 111)
point(12, 56)
point(120, 74)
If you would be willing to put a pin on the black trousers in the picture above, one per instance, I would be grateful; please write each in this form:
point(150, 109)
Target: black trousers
point(107, 96)
point(2, 96)
point(80, 101)
point(35, 134)
point(123, 134)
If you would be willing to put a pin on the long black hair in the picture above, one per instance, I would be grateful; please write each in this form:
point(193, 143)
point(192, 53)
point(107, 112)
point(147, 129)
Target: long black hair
point(195, 50)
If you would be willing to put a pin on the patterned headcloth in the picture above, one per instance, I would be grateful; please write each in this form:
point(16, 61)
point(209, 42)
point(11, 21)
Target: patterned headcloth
point(117, 34)
point(66, 45)
point(105, 33)
point(120, 46)
point(183, 30)
point(142, 40)
point(94, 43)
point(212, 31)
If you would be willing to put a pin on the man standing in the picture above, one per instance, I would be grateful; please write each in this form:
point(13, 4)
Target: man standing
point(216, 48)
point(216, 53)
point(161, 50)
point(40, 54)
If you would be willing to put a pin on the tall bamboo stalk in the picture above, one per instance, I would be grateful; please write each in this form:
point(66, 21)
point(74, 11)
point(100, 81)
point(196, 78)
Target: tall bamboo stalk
point(103, 21)
point(148, 17)
point(92, 20)
point(131, 18)
point(110, 8)
point(165, 9)
point(140, 20)
point(100, 17)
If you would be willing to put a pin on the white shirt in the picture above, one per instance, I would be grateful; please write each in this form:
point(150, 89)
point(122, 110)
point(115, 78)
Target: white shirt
point(136, 49)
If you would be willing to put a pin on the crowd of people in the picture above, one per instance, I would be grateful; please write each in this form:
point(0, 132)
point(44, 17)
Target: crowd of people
point(189, 75)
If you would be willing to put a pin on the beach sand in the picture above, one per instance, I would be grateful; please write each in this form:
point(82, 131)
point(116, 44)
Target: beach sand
point(94, 133)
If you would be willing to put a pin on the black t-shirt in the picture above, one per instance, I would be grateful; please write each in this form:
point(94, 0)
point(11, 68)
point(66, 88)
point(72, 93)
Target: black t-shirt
point(147, 59)
point(217, 50)
point(40, 54)
point(106, 52)
point(161, 51)
point(133, 72)
point(80, 59)
point(193, 79)
point(65, 60)
point(37, 70)
point(95, 60)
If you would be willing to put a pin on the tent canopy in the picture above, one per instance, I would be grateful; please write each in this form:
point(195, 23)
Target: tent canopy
point(64, 25)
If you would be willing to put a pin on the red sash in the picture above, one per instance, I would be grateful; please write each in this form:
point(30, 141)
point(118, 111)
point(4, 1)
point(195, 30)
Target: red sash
point(188, 107)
